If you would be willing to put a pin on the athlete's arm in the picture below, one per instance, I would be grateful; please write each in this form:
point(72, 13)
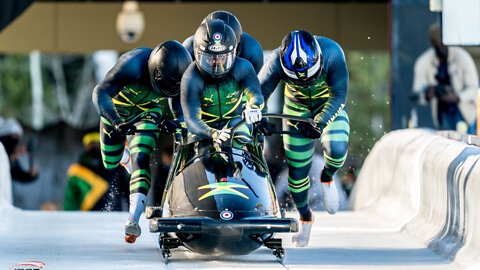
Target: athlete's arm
point(244, 73)
point(337, 80)
point(252, 51)
point(270, 75)
point(190, 96)
point(176, 108)
point(125, 71)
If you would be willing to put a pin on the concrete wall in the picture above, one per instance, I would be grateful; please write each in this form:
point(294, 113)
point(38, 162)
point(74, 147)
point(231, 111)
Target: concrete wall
point(428, 186)
point(86, 27)
point(5, 180)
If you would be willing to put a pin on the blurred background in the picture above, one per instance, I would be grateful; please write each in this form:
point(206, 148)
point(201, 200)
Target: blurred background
point(52, 54)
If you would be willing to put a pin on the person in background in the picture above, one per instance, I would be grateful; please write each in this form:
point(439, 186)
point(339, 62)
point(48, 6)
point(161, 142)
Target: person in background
point(11, 134)
point(6, 196)
point(348, 180)
point(315, 195)
point(91, 187)
point(162, 160)
point(49, 206)
point(448, 79)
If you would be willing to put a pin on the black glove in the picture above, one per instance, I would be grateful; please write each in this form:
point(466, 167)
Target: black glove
point(168, 126)
point(264, 127)
point(308, 130)
point(125, 128)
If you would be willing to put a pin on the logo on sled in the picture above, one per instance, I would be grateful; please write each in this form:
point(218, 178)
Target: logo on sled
point(223, 188)
point(30, 265)
point(226, 215)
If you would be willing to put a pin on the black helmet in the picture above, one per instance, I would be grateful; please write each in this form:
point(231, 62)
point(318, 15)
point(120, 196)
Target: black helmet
point(214, 47)
point(229, 19)
point(166, 65)
point(301, 58)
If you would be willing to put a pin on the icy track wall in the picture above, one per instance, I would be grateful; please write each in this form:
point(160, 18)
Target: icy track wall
point(5, 181)
point(428, 186)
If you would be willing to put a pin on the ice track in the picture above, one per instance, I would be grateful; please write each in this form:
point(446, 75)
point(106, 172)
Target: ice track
point(79, 240)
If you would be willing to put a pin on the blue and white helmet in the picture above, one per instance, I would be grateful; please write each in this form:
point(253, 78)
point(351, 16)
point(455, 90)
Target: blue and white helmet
point(301, 58)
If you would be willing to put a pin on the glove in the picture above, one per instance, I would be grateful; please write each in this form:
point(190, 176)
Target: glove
point(264, 127)
point(220, 136)
point(311, 132)
point(168, 126)
point(308, 130)
point(181, 128)
point(252, 115)
point(125, 128)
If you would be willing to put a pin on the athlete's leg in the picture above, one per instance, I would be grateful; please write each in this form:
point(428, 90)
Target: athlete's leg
point(112, 144)
point(299, 153)
point(141, 147)
point(335, 144)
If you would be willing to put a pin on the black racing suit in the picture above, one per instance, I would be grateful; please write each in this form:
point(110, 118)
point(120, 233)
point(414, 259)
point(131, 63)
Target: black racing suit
point(212, 104)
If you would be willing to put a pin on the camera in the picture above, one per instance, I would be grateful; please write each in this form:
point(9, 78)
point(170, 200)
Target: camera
point(443, 80)
point(130, 22)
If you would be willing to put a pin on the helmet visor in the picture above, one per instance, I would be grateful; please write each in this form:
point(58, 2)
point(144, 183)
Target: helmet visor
point(301, 75)
point(215, 64)
point(168, 86)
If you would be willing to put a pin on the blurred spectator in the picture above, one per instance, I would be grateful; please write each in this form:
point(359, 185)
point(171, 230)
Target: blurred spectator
point(49, 206)
point(315, 195)
point(447, 78)
point(274, 155)
point(348, 180)
point(160, 167)
point(11, 133)
point(90, 187)
point(166, 158)
point(5, 179)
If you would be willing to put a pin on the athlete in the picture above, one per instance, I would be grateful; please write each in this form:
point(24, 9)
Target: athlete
point(247, 48)
point(315, 73)
point(213, 86)
point(129, 99)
